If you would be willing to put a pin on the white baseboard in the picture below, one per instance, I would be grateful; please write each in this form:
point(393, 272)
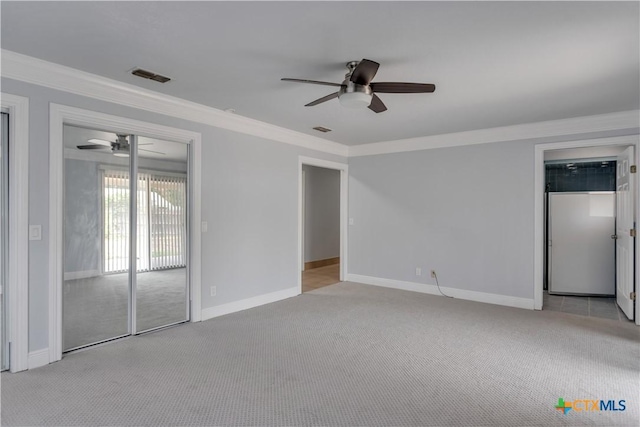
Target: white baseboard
point(38, 358)
point(74, 275)
point(232, 307)
point(453, 292)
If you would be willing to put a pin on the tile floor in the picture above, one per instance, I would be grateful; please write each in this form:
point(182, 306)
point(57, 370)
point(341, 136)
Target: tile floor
point(605, 308)
point(319, 277)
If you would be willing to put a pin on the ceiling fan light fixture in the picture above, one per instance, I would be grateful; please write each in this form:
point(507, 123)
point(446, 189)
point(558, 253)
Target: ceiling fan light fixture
point(120, 148)
point(355, 99)
point(358, 91)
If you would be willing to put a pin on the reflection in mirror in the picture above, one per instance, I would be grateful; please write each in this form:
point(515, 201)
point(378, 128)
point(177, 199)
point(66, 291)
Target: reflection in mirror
point(161, 281)
point(97, 302)
point(96, 234)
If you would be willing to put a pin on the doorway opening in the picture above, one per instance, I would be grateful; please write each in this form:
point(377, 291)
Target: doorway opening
point(322, 223)
point(129, 146)
point(321, 227)
point(15, 231)
point(586, 208)
point(580, 222)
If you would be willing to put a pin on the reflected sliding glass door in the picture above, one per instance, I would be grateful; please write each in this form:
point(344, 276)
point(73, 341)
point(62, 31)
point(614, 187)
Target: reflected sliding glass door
point(125, 240)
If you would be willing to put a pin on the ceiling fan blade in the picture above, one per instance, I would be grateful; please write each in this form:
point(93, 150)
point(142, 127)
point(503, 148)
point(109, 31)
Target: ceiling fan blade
point(151, 151)
point(313, 82)
point(364, 72)
point(323, 99)
point(91, 147)
point(396, 87)
point(377, 105)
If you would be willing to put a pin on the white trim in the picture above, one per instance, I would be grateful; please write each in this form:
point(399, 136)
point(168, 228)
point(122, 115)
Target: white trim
point(538, 205)
point(245, 304)
point(56, 237)
point(303, 198)
point(195, 233)
point(344, 211)
point(18, 286)
point(75, 275)
point(453, 292)
point(546, 129)
point(38, 358)
point(61, 114)
point(43, 73)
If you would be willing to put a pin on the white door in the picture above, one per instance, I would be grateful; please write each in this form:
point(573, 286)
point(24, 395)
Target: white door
point(624, 225)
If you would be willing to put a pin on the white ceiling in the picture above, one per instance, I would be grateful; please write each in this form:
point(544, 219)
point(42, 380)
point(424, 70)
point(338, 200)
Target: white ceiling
point(493, 63)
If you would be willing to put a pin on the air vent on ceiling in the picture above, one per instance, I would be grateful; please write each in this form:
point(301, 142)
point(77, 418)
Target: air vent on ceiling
point(149, 75)
point(322, 129)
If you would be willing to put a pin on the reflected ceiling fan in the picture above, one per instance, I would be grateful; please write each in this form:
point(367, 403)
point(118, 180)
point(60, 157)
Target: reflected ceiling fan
point(357, 90)
point(119, 147)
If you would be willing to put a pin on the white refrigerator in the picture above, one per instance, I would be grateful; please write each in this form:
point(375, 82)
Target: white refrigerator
point(582, 243)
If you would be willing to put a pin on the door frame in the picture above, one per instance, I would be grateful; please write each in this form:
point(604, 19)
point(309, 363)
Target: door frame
point(18, 284)
point(344, 211)
point(538, 205)
point(302, 217)
point(59, 115)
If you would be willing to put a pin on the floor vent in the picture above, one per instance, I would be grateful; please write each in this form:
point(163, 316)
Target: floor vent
point(149, 75)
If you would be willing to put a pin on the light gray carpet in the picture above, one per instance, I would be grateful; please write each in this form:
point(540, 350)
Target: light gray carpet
point(346, 354)
point(96, 309)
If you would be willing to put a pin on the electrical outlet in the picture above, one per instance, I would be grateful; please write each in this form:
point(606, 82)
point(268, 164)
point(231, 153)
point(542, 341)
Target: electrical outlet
point(418, 271)
point(213, 291)
point(433, 274)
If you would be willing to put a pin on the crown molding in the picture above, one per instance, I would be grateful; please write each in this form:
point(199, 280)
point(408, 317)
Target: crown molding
point(54, 76)
point(546, 129)
point(59, 77)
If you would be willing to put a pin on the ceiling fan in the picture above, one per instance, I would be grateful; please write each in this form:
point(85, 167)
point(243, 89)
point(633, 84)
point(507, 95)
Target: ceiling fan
point(119, 147)
point(357, 90)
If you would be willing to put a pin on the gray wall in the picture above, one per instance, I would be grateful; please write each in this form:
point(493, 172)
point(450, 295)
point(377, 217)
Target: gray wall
point(466, 212)
point(249, 199)
point(322, 213)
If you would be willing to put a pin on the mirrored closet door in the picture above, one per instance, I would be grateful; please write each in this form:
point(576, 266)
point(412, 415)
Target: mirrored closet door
point(125, 258)
point(161, 278)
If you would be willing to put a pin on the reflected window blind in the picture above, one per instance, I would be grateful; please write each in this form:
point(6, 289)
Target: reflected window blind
point(161, 218)
point(167, 220)
point(115, 214)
